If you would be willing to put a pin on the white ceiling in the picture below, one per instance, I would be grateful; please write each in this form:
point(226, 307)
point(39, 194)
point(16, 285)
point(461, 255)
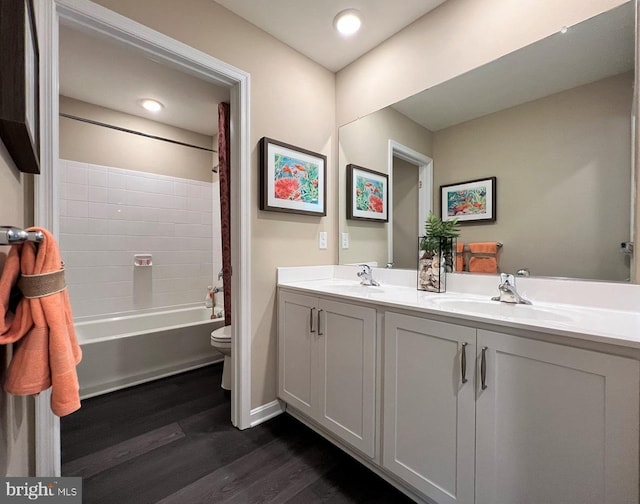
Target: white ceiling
point(103, 72)
point(307, 25)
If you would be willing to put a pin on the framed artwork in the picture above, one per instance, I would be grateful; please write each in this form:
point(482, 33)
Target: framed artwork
point(367, 194)
point(292, 179)
point(471, 201)
point(19, 103)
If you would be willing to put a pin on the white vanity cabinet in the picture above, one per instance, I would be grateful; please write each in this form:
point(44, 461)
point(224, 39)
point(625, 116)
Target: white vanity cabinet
point(429, 413)
point(555, 424)
point(327, 365)
point(535, 422)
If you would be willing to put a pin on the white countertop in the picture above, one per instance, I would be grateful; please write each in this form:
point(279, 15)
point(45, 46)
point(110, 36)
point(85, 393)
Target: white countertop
point(600, 324)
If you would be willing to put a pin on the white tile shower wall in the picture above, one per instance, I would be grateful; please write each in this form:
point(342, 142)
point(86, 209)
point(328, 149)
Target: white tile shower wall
point(107, 215)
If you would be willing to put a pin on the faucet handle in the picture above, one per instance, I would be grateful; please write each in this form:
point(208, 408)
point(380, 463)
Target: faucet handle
point(365, 268)
point(507, 278)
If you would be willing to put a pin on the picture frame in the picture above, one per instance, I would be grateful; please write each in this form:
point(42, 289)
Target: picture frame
point(19, 84)
point(469, 201)
point(367, 194)
point(292, 179)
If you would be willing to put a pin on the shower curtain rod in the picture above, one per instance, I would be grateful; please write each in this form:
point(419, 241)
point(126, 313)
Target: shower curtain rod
point(134, 132)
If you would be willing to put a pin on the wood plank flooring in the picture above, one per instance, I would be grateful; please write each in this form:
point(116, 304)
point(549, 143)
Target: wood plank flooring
point(171, 441)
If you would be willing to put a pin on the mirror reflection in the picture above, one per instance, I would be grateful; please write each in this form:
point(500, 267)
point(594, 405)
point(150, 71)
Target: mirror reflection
point(551, 121)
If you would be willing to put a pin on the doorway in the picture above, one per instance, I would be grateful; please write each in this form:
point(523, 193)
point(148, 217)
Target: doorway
point(406, 223)
point(90, 17)
point(410, 201)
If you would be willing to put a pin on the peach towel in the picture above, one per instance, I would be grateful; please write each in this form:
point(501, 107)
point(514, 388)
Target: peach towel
point(483, 257)
point(459, 256)
point(46, 351)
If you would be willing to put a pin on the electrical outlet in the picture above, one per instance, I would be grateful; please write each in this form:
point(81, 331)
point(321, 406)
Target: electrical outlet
point(322, 240)
point(345, 240)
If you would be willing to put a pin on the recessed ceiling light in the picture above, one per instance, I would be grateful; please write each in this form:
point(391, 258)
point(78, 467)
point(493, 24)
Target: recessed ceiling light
point(564, 29)
point(347, 22)
point(151, 105)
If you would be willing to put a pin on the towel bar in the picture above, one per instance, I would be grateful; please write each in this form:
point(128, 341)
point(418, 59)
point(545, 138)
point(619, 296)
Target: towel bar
point(10, 235)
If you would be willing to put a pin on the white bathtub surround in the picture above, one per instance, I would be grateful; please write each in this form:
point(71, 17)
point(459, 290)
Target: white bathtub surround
point(598, 311)
point(126, 350)
point(108, 215)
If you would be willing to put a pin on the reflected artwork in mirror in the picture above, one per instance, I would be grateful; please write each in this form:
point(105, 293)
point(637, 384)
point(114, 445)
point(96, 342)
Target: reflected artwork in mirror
point(552, 121)
point(366, 194)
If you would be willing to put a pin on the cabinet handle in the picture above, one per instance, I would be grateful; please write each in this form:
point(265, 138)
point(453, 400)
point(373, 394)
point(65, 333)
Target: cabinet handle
point(463, 363)
point(320, 333)
point(311, 317)
point(483, 368)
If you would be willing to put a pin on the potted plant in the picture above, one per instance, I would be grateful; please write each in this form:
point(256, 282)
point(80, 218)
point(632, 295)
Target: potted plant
point(436, 255)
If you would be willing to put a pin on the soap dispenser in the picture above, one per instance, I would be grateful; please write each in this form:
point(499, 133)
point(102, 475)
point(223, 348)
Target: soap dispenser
point(208, 300)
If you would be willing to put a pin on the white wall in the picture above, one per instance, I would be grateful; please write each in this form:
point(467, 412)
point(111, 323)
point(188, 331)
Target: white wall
point(107, 215)
point(16, 413)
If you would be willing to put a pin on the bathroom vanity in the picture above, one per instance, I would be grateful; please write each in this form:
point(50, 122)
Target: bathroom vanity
point(456, 398)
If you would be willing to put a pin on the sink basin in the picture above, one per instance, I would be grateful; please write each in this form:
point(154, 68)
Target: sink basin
point(503, 310)
point(359, 289)
point(347, 287)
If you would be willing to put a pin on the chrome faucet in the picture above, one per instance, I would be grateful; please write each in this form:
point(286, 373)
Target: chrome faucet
point(508, 292)
point(366, 275)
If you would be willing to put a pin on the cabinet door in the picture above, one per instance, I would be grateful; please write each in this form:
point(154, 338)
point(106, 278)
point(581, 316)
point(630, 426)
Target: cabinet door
point(555, 424)
point(429, 413)
point(346, 356)
point(297, 320)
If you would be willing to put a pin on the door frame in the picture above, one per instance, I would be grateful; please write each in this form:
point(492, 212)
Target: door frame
point(92, 17)
point(425, 187)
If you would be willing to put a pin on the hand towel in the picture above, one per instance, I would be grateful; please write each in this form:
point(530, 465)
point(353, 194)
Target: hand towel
point(46, 352)
point(483, 257)
point(459, 256)
point(9, 332)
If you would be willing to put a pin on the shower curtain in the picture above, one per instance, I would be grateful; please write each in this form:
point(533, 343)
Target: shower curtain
point(225, 204)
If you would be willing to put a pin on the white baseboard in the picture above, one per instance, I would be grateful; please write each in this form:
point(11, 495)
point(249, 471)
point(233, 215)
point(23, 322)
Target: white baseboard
point(266, 411)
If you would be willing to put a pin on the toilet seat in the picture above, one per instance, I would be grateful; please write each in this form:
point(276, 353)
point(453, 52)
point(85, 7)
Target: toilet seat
point(221, 343)
point(221, 337)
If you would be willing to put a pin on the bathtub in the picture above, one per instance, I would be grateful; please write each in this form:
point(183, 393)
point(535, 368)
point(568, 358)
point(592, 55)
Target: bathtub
point(122, 351)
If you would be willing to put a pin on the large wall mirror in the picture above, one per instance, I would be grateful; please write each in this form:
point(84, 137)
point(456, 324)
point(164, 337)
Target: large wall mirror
point(551, 121)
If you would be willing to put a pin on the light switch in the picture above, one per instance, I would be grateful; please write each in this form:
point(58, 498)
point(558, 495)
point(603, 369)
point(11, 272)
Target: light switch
point(345, 240)
point(322, 240)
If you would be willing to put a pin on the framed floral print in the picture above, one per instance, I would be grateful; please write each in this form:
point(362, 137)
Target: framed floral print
point(292, 179)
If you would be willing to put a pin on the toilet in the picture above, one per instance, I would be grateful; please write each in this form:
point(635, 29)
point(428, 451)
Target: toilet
point(221, 341)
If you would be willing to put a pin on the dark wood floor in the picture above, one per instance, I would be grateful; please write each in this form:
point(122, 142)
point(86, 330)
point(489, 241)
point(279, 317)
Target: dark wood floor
point(171, 441)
